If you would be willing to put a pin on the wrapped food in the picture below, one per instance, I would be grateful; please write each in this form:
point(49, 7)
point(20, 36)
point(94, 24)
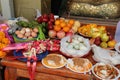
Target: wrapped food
point(105, 55)
point(107, 10)
point(75, 46)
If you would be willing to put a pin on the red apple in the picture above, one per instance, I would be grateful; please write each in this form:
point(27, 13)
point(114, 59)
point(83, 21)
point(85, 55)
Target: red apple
point(40, 19)
point(45, 18)
point(51, 16)
point(60, 34)
point(97, 41)
point(52, 33)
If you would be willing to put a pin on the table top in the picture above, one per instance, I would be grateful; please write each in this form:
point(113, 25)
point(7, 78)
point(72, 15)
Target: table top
point(40, 68)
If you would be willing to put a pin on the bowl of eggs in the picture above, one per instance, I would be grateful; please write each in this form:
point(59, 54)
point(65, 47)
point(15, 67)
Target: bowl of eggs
point(26, 34)
point(75, 46)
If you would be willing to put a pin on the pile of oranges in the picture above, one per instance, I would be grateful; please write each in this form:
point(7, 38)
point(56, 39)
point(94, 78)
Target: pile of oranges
point(62, 24)
point(3, 42)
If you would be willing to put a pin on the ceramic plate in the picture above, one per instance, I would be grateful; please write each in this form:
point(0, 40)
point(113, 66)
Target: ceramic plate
point(54, 61)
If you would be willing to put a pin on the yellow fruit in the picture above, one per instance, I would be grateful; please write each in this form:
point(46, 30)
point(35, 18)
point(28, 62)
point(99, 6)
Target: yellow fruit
point(103, 45)
point(111, 44)
point(2, 54)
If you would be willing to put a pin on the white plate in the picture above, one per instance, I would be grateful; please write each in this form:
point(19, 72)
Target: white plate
point(63, 59)
point(116, 78)
point(70, 66)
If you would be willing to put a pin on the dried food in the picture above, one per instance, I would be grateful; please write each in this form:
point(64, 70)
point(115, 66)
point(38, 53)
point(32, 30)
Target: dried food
point(105, 71)
point(80, 65)
point(54, 61)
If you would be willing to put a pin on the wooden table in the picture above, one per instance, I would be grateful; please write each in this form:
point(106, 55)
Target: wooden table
point(15, 68)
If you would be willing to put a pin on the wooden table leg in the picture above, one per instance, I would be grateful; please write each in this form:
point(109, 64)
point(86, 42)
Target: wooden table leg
point(10, 73)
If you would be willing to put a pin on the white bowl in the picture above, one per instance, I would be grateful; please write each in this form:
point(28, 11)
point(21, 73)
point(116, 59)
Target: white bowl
point(97, 64)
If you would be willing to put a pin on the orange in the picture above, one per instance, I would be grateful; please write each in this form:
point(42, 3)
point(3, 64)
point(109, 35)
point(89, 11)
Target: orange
point(57, 28)
point(69, 25)
point(62, 20)
point(71, 21)
point(2, 54)
point(63, 24)
point(2, 34)
point(57, 22)
point(66, 29)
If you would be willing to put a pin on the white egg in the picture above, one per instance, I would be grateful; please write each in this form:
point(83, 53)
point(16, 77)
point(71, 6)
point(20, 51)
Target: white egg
point(70, 46)
point(27, 30)
point(75, 41)
point(80, 39)
point(22, 31)
point(82, 47)
point(76, 46)
point(27, 34)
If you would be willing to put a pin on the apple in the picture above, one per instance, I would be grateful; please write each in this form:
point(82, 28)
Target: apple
point(104, 37)
point(97, 41)
point(103, 45)
point(60, 34)
point(52, 33)
point(51, 16)
point(45, 18)
point(50, 25)
point(40, 19)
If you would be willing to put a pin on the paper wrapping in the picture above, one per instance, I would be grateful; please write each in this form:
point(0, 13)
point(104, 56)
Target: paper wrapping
point(108, 10)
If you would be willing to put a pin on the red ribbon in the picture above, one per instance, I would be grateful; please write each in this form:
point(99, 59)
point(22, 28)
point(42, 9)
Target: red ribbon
point(32, 66)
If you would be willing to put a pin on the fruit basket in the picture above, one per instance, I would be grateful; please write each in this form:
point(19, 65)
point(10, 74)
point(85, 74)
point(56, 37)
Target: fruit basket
point(28, 34)
point(19, 55)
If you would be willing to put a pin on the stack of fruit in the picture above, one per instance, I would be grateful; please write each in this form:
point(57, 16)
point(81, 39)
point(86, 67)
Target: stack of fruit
point(63, 27)
point(3, 42)
point(48, 19)
point(99, 34)
point(105, 41)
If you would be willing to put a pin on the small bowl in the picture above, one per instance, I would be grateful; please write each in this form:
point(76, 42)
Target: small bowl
point(117, 47)
point(107, 78)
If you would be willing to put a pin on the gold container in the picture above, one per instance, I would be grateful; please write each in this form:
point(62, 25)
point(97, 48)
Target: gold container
point(107, 10)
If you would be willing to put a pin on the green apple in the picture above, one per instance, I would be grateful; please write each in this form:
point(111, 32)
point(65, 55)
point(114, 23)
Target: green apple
point(103, 45)
point(104, 37)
